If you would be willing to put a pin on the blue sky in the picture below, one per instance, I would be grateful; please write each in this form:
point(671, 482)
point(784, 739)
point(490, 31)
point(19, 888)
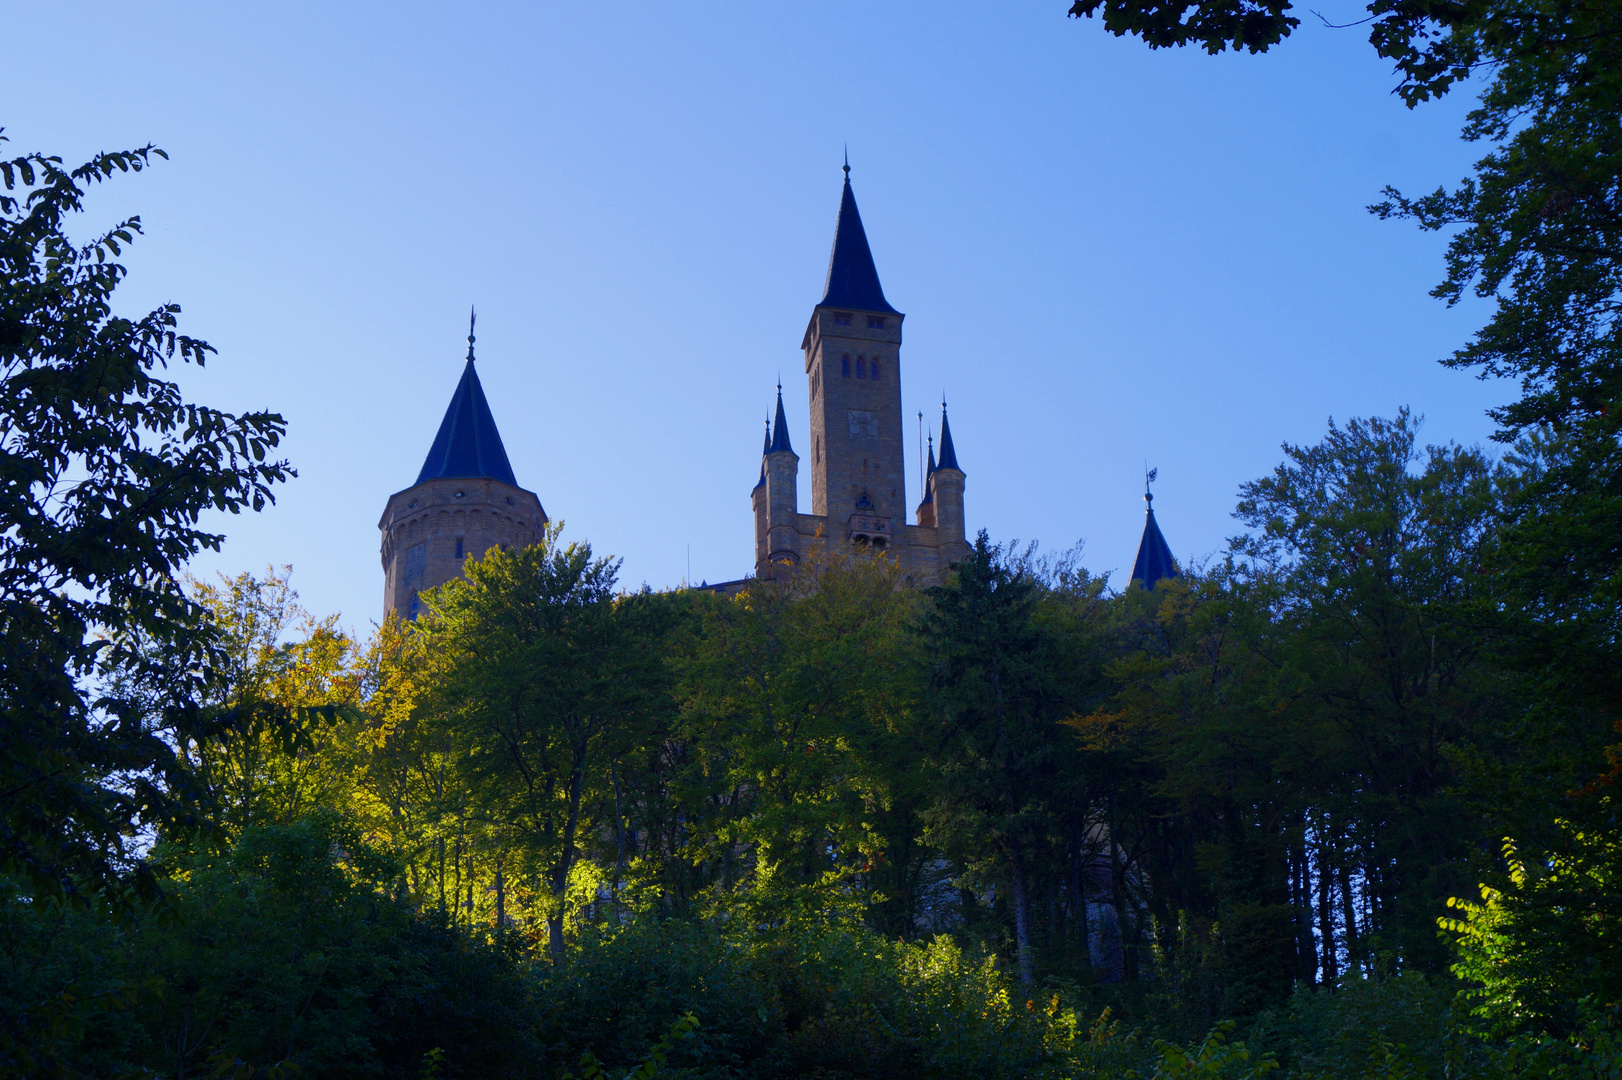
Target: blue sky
point(1107, 256)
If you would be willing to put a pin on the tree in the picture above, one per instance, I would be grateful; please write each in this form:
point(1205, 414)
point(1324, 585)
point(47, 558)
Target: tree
point(1541, 219)
point(282, 754)
point(799, 732)
point(994, 729)
point(1375, 563)
point(105, 471)
point(1548, 947)
point(536, 691)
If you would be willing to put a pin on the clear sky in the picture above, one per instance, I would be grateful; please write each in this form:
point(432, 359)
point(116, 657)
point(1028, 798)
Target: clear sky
point(1108, 257)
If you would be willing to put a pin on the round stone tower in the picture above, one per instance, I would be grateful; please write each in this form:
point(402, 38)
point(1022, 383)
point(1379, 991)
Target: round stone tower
point(465, 501)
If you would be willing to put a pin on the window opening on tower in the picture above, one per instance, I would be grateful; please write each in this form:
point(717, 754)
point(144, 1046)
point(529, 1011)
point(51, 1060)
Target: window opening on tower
point(861, 367)
point(844, 366)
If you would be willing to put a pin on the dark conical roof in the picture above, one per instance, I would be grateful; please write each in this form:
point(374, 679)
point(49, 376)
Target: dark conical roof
point(948, 451)
point(765, 449)
point(1154, 555)
point(468, 443)
point(929, 490)
point(779, 441)
point(853, 280)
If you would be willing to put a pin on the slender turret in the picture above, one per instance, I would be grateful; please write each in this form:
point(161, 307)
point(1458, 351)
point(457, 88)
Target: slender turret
point(947, 487)
point(782, 496)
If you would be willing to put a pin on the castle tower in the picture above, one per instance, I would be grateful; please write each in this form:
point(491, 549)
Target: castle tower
point(1154, 554)
point(465, 501)
point(853, 361)
point(782, 466)
point(858, 489)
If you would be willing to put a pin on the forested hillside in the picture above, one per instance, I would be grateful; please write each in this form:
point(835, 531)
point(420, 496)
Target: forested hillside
point(1339, 801)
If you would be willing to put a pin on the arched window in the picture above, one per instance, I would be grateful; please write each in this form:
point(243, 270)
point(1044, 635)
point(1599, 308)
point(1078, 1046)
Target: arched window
point(861, 367)
point(844, 367)
point(413, 606)
point(458, 547)
point(875, 367)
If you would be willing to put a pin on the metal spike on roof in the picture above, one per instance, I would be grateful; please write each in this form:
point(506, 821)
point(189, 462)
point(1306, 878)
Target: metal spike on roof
point(780, 441)
point(948, 451)
point(1154, 554)
point(853, 280)
point(468, 444)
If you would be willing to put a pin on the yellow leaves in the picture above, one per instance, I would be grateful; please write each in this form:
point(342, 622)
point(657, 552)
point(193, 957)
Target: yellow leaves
point(1101, 730)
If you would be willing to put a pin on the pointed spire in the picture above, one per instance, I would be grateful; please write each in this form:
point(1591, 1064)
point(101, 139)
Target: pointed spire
point(468, 443)
point(780, 441)
point(853, 280)
point(929, 489)
point(948, 451)
point(765, 449)
point(1154, 560)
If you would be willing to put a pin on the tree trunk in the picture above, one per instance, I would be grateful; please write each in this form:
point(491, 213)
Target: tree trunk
point(501, 897)
point(1301, 903)
point(554, 937)
point(1078, 894)
point(1022, 926)
point(1326, 914)
point(1354, 948)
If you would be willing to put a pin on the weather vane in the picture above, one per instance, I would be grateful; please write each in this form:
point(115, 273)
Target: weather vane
point(472, 318)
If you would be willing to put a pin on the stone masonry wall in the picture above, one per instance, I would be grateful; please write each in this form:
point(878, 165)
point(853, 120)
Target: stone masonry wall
point(422, 526)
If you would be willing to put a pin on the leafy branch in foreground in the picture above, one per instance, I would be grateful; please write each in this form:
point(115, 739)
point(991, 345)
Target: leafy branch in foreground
point(105, 472)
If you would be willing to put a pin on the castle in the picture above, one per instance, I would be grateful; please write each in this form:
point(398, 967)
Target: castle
point(466, 499)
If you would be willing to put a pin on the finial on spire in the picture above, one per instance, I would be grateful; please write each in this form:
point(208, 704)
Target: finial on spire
point(472, 318)
point(779, 427)
point(1149, 476)
point(847, 163)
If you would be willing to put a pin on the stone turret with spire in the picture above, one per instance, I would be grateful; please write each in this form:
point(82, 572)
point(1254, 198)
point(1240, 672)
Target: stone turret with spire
point(465, 501)
point(946, 489)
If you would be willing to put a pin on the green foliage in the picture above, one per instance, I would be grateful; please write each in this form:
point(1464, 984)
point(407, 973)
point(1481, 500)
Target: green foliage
point(798, 715)
point(995, 707)
point(106, 470)
point(652, 1065)
point(290, 684)
point(816, 1001)
point(1215, 1057)
point(1552, 941)
point(536, 689)
point(290, 951)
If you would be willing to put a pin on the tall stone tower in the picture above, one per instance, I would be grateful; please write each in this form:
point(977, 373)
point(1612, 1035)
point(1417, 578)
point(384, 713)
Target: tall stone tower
point(465, 501)
point(852, 348)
